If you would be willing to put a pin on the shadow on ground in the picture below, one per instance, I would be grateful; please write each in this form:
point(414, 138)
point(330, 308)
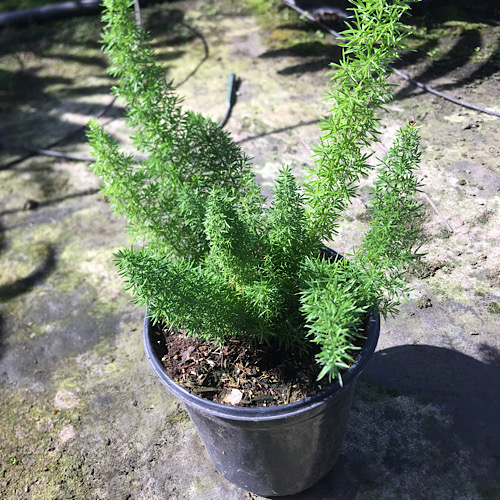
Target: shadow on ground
point(455, 40)
point(38, 275)
point(424, 424)
point(33, 57)
point(450, 39)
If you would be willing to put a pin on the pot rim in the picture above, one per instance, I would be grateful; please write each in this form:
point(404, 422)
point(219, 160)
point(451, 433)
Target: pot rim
point(265, 412)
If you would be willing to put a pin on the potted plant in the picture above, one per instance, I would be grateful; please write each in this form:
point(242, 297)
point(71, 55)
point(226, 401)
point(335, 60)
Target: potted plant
point(229, 279)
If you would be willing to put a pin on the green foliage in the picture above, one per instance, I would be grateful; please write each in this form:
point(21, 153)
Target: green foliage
point(335, 305)
point(389, 248)
point(214, 260)
point(196, 298)
point(360, 88)
point(187, 154)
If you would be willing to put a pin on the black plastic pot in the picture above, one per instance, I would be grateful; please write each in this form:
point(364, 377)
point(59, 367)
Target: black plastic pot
point(271, 451)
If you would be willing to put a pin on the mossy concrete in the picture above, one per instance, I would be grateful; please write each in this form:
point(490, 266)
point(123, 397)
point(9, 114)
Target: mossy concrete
point(82, 415)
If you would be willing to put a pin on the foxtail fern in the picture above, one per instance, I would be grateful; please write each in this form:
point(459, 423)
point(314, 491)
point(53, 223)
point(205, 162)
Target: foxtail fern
point(164, 197)
point(215, 260)
point(359, 90)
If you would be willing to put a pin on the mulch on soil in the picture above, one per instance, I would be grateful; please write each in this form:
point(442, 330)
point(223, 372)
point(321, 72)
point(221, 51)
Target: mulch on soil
point(237, 374)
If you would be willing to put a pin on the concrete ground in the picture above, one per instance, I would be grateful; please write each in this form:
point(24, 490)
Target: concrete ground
point(83, 417)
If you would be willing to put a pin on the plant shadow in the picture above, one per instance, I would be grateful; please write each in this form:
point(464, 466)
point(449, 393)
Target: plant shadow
point(46, 266)
point(424, 424)
point(48, 70)
point(313, 57)
point(39, 274)
point(451, 40)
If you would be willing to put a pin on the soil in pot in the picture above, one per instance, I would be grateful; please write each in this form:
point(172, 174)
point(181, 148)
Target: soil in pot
point(237, 374)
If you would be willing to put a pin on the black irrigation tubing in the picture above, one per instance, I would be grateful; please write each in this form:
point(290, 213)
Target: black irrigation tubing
point(232, 88)
point(47, 150)
point(442, 95)
point(205, 50)
point(51, 12)
point(421, 85)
